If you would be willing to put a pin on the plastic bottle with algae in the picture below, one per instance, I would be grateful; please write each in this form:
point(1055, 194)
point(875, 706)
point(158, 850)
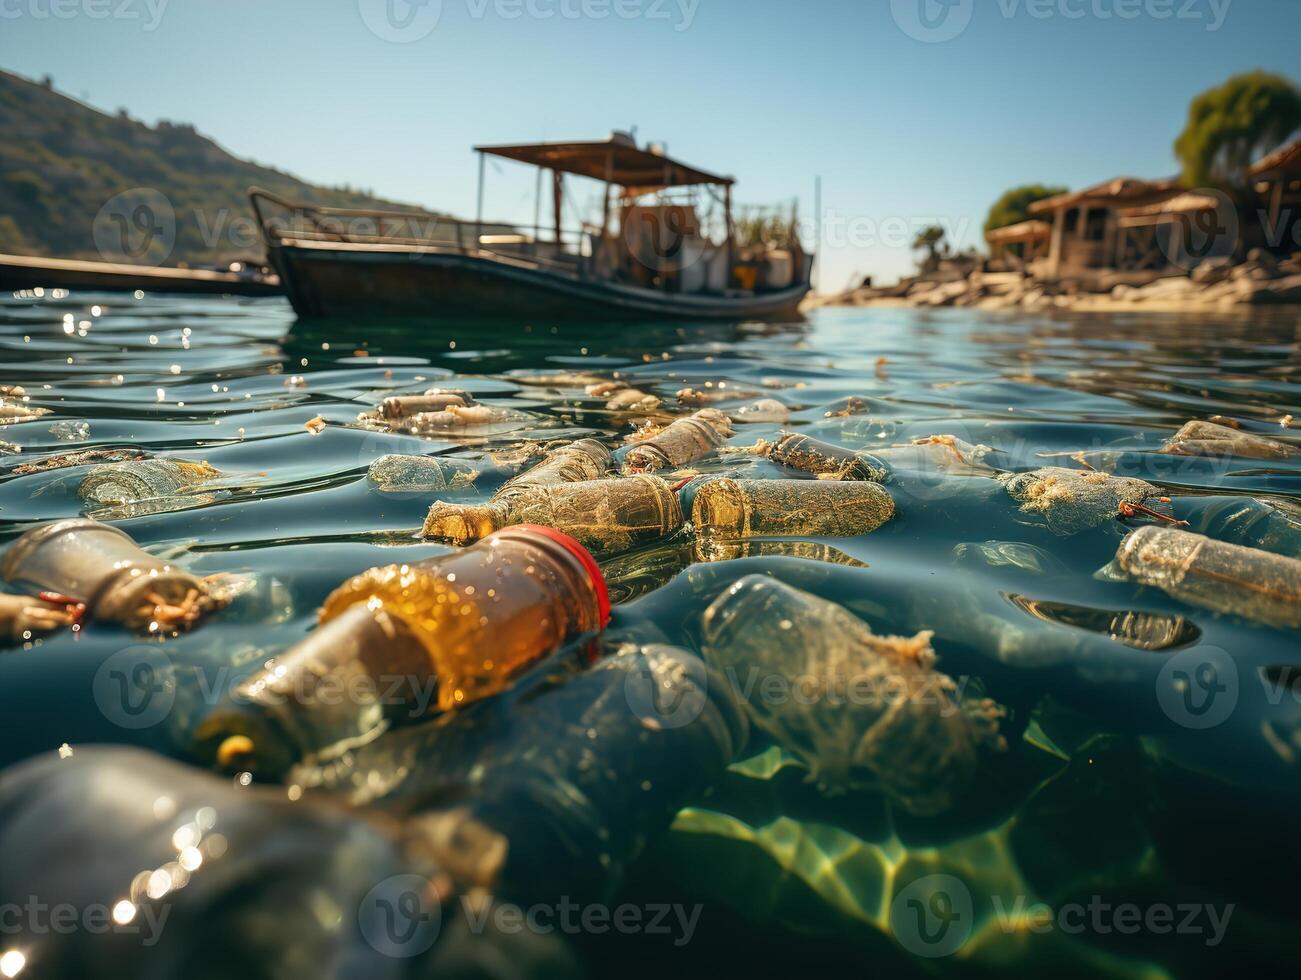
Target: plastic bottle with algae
point(100, 567)
point(576, 462)
point(789, 508)
point(607, 516)
point(825, 459)
point(398, 641)
point(401, 473)
point(682, 442)
point(864, 710)
point(1226, 578)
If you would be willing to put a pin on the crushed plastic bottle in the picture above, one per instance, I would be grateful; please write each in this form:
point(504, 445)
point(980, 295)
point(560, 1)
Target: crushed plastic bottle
point(865, 709)
point(789, 508)
point(1226, 578)
point(397, 473)
point(605, 515)
point(399, 641)
point(112, 484)
point(101, 567)
point(1210, 439)
point(825, 460)
point(1070, 501)
point(682, 442)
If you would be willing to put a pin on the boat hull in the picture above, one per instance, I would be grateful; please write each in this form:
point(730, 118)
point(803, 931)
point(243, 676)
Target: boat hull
point(388, 281)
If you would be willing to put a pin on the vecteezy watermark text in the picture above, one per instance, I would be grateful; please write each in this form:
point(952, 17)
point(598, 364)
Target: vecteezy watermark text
point(408, 21)
point(936, 21)
point(149, 11)
point(34, 917)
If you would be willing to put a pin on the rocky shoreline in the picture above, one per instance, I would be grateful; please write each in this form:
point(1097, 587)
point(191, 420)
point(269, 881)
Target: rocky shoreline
point(1216, 284)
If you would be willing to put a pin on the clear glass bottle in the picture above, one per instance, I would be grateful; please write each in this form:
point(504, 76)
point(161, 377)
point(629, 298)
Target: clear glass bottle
point(860, 709)
point(101, 567)
point(399, 641)
point(684, 441)
point(789, 508)
point(825, 459)
point(605, 515)
point(1215, 575)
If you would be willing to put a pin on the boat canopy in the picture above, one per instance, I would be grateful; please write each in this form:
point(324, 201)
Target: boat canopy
point(617, 160)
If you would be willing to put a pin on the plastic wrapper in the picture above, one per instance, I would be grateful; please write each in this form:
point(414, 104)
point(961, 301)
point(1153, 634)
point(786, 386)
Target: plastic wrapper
point(632, 400)
point(865, 710)
point(399, 641)
point(824, 459)
point(205, 879)
point(1070, 501)
point(606, 516)
point(942, 454)
point(129, 482)
point(685, 441)
point(762, 410)
point(564, 777)
point(1209, 439)
point(24, 618)
point(102, 568)
point(789, 508)
point(1226, 578)
point(579, 461)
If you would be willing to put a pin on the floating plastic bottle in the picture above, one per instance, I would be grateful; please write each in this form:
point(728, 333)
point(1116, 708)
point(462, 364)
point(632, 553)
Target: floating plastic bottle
point(862, 709)
point(398, 641)
point(101, 567)
point(1070, 501)
point(433, 400)
point(1272, 523)
point(789, 508)
point(1209, 439)
point(824, 459)
point(632, 400)
point(24, 618)
point(713, 394)
point(1227, 578)
point(128, 482)
point(397, 473)
point(605, 515)
point(561, 780)
point(196, 876)
point(685, 441)
point(762, 410)
point(579, 461)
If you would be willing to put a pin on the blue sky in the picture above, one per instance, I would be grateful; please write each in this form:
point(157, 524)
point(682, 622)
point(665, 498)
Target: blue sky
point(902, 129)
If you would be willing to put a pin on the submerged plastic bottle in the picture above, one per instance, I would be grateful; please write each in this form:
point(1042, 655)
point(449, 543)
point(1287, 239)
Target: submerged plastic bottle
point(864, 709)
point(398, 641)
point(577, 462)
point(789, 508)
point(117, 483)
point(605, 515)
point(1226, 578)
point(801, 452)
point(684, 441)
point(101, 567)
point(399, 473)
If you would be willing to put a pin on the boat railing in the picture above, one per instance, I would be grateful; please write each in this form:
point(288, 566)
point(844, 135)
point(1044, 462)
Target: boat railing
point(293, 221)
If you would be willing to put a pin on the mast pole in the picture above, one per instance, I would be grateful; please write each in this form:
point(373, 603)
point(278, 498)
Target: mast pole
point(558, 197)
point(478, 214)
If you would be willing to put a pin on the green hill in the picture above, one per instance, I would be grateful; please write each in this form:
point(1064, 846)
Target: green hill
point(64, 164)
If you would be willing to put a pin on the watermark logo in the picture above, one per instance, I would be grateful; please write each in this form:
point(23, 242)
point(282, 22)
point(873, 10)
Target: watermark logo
point(401, 916)
point(664, 239)
point(662, 694)
point(135, 688)
point(137, 226)
point(150, 12)
point(401, 21)
point(1198, 688)
point(932, 916)
point(1209, 229)
point(932, 21)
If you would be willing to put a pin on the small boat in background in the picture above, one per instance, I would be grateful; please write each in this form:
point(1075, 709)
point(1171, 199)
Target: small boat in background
point(668, 246)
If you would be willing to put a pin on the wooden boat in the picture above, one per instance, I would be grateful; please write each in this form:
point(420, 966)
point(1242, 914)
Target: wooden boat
point(655, 254)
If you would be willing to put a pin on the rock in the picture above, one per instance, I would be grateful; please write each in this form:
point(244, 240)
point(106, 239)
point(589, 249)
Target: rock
point(1213, 270)
point(1258, 292)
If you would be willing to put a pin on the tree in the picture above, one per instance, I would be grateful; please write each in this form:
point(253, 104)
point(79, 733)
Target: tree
point(1014, 206)
point(930, 238)
point(1231, 126)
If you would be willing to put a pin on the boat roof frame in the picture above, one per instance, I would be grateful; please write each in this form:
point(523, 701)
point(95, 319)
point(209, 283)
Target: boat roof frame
point(615, 161)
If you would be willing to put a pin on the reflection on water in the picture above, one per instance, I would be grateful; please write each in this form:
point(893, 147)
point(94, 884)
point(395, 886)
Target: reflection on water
point(1129, 774)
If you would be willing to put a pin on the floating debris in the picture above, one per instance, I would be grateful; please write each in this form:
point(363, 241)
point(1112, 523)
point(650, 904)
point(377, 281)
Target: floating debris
point(425, 474)
point(1209, 439)
point(789, 508)
point(632, 400)
point(24, 618)
point(576, 462)
point(461, 420)
point(19, 412)
point(713, 393)
point(398, 641)
point(870, 710)
point(434, 400)
point(1071, 501)
point(763, 410)
point(823, 459)
point(846, 407)
point(73, 430)
point(944, 454)
point(1015, 554)
point(111, 484)
point(685, 441)
point(555, 379)
point(1226, 578)
point(13, 391)
point(84, 457)
point(605, 515)
point(315, 426)
point(118, 582)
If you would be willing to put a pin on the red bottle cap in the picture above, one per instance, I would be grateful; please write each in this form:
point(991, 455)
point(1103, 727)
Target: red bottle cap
point(584, 558)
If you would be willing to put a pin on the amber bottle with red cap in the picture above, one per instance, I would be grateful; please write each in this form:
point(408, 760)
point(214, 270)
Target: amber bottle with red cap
point(400, 641)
